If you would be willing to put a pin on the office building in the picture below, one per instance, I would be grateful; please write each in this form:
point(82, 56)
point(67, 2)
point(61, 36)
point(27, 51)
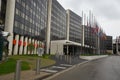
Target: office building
point(71, 44)
point(26, 22)
point(74, 32)
point(47, 25)
point(56, 27)
point(108, 44)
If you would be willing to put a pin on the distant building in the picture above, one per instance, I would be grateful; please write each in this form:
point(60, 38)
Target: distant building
point(108, 44)
point(116, 46)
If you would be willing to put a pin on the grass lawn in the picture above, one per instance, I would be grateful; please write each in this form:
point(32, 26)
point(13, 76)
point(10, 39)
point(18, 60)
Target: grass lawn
point(28, 62)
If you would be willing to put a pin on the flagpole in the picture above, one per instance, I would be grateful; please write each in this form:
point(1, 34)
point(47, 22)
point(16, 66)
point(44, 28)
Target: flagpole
point(98, 45)
point(98, 41)
point(90, 30)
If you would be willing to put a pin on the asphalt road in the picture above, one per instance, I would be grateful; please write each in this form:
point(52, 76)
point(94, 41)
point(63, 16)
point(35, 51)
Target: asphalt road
point(102, 69)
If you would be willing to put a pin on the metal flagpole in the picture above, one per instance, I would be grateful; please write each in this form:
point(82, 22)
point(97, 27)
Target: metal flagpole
point(98, 45)
point(98, 41)
point(90, 30)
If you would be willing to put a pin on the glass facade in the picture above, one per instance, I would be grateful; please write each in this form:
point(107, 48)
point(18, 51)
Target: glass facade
point(58, 21)
point(75, 30)
point(90, 37)
point(86, 35)
point(2, 13)
point(30, 18)
point(108, 42)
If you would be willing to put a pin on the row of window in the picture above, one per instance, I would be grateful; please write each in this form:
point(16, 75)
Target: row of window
point(58, 22)
point(30, 18)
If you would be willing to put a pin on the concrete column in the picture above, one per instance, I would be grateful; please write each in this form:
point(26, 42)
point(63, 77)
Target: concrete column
point(25, 47)
point(48, 26)
point(21, 46)
point(68, 24)
point(35, 47)
point(38, 42)
point(16, 46)
point(33, 41)
point(29, 40)
point(9, 22)
point(83, 28)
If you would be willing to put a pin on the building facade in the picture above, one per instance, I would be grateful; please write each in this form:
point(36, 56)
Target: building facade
point(109, 44)
point(26, 22)
point(56, 23)
point(47, 25)
point(74, 27)
point(90, 40)
point(74, 32)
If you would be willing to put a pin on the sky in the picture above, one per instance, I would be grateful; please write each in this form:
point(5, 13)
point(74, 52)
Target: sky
point(106, 12)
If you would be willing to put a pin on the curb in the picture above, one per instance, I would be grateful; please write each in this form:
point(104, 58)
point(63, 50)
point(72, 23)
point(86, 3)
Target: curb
point(65, 70)
point(94, 57)
point(48, 78)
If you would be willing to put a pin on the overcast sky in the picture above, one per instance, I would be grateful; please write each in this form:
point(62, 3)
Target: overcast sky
point(107, 12)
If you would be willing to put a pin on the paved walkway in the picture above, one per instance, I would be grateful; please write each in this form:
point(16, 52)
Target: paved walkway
point(25, 75)
point(92, 57)
point(62, 63)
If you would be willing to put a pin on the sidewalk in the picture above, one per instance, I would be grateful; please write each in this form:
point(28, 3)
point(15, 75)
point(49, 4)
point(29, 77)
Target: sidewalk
point(25, 75)
point(93, 57)
point(30, 74)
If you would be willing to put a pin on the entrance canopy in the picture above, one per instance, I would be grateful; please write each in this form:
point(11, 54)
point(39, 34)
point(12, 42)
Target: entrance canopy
point(66, 42)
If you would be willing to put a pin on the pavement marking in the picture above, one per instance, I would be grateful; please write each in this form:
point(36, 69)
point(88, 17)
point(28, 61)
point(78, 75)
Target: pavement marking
point(59, 67)
point(66, 65)
point(48, 70)
point(48, 78)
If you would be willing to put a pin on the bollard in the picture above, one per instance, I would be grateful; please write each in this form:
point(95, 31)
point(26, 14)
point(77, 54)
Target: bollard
point(66, 58)
point(61, 57)
point(18, 70)
point(37, 66)
point(70, 58)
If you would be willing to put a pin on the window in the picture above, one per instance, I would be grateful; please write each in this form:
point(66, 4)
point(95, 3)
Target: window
point(23, 4)
point(18, 1)
point(16, 11)
point(23, 15)
point(16, 23)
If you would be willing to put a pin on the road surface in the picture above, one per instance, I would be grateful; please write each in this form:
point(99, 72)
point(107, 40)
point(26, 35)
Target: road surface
point(102, 69)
